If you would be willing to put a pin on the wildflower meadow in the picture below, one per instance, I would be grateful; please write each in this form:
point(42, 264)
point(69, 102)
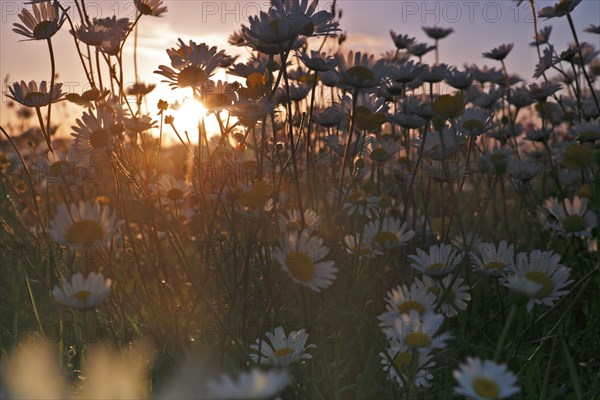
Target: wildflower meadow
point(311, 221)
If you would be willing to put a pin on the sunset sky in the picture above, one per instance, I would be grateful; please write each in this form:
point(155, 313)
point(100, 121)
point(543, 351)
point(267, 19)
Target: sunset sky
point(479, 26)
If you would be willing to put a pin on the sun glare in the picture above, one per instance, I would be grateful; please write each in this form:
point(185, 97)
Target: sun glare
point(188, 117)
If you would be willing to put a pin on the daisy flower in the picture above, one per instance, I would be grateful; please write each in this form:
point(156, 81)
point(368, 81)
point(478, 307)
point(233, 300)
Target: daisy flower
point(455, 298)
point(560, 9)
point(402, 300)
point(499, 53)
point(281, 350)
point(255, 384)
point(485, 380)
point(43, 23)
point(441, 260)
point(293, 221)
point(32, 95)
point(418, 332)
point(572, 219)
point(358, 70)
point(171, 188)
point(84, 223)
point(63, 168)
point(94, 132)
point(193, 63)
point(316, 61)
point(402, 42)
point(439, 146)
point(492, 260)
point(522, 170)
point(420, 49)
point(382, 149)
point(302, 258)
point(397, 360)
point(587, 131)
point(361, 203)
point(154, 8)
point(475, 121)
point(83, 293)
point(387, 234)
point(435, 32)
point(542, 268)
point(355, 244)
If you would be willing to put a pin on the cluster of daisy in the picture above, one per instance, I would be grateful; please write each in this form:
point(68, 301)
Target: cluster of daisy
point(357, 170)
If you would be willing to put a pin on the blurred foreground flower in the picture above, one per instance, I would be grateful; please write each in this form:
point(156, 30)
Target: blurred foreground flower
point(484, 380)
point(255, 384)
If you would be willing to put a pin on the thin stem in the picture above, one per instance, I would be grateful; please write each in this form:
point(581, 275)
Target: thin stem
point(509, 319)
point(51, 89)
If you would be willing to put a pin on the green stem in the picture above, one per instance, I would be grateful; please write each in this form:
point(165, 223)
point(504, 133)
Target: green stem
point(509, 319)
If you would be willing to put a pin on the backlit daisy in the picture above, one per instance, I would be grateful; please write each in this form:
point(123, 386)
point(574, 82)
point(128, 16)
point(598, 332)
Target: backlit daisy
point(439, 261)
point(294, 221)
point(544, 269)
point(255, 384)
point(387, 235)
point(281, 350)
point(43, 23)
point(84, 223)
point(193, 63)
point(571, 219)
point(302, 257)
point(492, 260)
point(172, 189)
point(435, 32)
point(359, 70)
point(32, 95)
point(83, 293)
point(397, 361)
point(402, 42)
point(485, 380)
point(94, 132)
point(499, 53)
point(154, 8)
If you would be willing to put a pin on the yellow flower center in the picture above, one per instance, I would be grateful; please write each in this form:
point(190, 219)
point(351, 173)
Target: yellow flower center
point(574, 223)
point(300, 266)
point(473, 125)
point(436, 267)
point(144, 8)
point(82, 296)
point(293, 226)
point(486, 388)
point(34, 97)
point(44, 30)
point(402, 361)
point(361, 73)
point(418, 339)
point(495, 265)
point(286, 351)
point(407, 306)
point(99, 138)
point(380, 154)
point(174, 194)
point(543, 279)
point(384, 237)
point(85, 231)
point(191, 76)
